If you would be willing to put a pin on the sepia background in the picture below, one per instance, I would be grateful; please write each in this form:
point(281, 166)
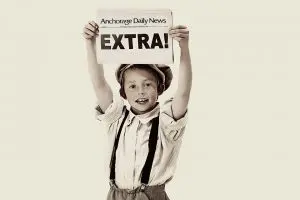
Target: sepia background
point(242, 138)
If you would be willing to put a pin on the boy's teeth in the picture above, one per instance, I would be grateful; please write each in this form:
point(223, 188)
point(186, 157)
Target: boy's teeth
point(141, 100)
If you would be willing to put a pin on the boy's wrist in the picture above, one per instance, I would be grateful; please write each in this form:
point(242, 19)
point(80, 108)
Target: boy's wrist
point(184, 47)
point(90, 44)
point(90, 41)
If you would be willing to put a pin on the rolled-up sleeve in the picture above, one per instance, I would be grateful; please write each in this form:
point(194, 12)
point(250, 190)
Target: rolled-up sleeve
point(173, 129)
point(112, 113)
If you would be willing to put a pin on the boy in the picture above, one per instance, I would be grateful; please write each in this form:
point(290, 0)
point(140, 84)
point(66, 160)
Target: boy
point(144, 138)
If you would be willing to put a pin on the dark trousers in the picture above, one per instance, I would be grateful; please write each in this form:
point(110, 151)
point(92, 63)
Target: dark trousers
point(149, 193)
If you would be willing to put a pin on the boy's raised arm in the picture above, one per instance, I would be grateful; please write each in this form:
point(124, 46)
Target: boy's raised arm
point(102, 89)
point(182, 95)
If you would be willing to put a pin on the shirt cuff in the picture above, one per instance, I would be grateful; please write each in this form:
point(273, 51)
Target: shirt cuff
point(112, 113)
point(172, 128)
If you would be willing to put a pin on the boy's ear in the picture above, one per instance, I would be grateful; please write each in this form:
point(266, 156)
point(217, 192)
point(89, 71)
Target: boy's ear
point(160, 89)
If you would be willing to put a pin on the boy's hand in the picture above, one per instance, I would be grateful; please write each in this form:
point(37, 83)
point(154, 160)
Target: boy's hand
point(90, 30)
point(181, 34)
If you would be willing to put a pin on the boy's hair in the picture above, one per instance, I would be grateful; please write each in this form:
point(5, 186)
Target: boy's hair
point(160, 85)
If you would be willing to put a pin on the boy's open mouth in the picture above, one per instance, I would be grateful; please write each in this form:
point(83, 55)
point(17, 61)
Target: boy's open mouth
point(142, 101)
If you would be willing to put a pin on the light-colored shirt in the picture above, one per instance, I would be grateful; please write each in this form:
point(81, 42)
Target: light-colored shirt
point(133, 143)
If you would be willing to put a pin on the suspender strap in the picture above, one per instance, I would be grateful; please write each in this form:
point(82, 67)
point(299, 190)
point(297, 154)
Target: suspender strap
point(152, 147)
point(113, 156)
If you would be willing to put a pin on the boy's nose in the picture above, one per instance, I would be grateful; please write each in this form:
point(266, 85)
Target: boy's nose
point(141, 90)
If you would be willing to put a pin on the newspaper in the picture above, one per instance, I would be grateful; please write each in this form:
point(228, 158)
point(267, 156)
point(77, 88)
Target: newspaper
point(134, 36)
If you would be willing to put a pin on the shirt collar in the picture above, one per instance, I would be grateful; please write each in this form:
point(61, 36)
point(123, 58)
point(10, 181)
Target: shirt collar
point(146, 117)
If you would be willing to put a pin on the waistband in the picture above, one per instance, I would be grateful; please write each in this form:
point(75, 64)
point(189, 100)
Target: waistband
point(154, 188)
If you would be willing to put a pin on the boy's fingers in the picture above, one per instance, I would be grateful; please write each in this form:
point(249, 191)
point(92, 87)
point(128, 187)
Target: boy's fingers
point(181, 35)
point(178, 27)
point(88, 31)
point(92, 22)
point(87, 36)
point(179, 31)
point(89, 27)
point(94, 25)
point(177, 38)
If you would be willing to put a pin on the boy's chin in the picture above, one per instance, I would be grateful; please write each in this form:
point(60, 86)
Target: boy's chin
point(142, 109)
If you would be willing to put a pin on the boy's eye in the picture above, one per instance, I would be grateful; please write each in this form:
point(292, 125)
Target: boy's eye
point(132, 86)
point(148, 84)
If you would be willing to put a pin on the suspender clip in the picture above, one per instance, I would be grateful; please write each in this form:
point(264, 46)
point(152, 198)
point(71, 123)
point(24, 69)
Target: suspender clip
point(143, 186)
point(112, 183)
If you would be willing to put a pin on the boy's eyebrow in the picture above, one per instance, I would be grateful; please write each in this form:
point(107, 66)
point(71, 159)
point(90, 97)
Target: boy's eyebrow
point(148, 79)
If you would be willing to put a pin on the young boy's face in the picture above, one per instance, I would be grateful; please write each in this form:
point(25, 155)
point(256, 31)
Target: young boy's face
point(141, 89)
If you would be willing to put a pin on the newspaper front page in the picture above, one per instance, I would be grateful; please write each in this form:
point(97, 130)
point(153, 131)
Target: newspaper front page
point(134, 36)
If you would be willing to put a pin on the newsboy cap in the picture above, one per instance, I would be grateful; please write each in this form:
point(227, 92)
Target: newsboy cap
point(163, 71)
